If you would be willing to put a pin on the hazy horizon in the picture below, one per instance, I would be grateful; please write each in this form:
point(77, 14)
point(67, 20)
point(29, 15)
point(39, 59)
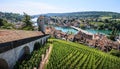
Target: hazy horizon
point(33, 7)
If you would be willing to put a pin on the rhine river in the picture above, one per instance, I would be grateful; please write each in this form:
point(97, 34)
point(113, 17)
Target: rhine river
point(69, 30)
point(73, 31)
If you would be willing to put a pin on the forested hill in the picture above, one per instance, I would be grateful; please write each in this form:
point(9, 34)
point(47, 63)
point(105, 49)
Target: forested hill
point(11, 16)
point(87, 14)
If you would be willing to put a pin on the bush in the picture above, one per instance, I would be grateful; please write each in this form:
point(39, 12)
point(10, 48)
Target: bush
point(115, 53)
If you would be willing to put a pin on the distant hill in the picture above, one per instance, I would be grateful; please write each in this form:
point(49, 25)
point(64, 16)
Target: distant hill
point(86, 14)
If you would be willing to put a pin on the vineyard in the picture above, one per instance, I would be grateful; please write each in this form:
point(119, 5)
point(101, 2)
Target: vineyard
point(69, 55)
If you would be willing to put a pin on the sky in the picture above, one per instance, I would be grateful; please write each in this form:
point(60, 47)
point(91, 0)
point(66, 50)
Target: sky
point(33, 7)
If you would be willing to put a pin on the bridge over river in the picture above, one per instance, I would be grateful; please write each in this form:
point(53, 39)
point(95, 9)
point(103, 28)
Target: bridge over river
point(79, 29)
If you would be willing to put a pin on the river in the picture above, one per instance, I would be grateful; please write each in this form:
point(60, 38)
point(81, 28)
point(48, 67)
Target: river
point(73, 31)
point(98, 31)
point(66, 29)
point(93, 31)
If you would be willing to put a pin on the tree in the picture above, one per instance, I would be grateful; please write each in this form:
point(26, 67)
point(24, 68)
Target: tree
point(1, 22)
point(115, 52)
point(113, 34)
point(28, 23)
point(106, 21)
point(5, 25)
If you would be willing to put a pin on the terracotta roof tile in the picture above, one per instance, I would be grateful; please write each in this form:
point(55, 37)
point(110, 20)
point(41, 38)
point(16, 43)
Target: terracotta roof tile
point(11, 35)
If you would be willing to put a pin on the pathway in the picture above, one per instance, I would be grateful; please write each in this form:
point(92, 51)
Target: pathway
point(45, 60)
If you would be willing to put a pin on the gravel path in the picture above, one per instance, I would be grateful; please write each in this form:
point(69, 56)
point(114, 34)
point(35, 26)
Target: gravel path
point(45, 60)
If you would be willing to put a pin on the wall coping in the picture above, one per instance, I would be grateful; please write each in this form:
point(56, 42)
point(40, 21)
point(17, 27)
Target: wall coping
point(13, 44)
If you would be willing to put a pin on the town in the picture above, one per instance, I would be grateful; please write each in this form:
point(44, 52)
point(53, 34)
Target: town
point(98, 40)
point(68, 34)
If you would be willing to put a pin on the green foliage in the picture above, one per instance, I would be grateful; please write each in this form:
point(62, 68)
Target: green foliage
point(37, 46)
point(98, 23)
point(14, 17)
point(92, 14)
point(106, 21)
point(69, 55)
point(106, 24)
point(28, 23)
point(34, 59)
point(27, 19)
point(2, 22)
point(115, 52)
point(27, 28)
point(105, 17)
point(5, 25)
point(82, 26)
point(113, 34)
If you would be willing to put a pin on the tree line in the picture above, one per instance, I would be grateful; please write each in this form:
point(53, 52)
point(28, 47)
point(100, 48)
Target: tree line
point(26, 20)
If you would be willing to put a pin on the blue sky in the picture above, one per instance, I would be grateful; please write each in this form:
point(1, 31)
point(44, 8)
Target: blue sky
point(32, 7)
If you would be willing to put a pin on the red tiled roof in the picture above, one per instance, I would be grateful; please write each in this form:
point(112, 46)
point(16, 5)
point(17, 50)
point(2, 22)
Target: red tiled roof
point(11, 35)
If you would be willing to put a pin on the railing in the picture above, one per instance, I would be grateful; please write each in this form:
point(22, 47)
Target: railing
point(13, 44)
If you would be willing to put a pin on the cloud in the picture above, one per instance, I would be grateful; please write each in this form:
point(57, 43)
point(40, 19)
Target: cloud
point(30, 7)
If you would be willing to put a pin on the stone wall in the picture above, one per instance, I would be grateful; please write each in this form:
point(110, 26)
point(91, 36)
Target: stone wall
point(13, 54)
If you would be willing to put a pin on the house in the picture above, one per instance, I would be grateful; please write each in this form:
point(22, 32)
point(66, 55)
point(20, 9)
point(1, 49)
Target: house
point(99, 41)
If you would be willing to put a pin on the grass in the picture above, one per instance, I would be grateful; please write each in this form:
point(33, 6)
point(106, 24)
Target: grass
point(97, 23)
point(105, 17)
